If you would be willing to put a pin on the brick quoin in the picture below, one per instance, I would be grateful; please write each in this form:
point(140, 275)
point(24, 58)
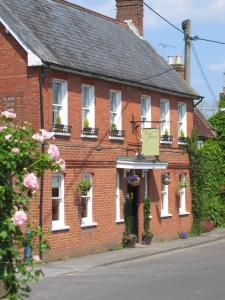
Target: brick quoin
point(19, 91)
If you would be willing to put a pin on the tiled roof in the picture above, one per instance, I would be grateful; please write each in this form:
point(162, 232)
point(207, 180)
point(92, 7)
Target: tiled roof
point(70, 36)
point(203, 126)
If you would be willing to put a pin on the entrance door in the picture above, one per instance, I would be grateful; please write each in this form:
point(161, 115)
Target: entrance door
point(133, 195)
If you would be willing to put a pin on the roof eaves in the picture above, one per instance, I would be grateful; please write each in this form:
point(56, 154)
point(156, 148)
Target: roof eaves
point(121, 80)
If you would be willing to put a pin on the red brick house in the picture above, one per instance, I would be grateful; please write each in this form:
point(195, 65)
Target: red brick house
point(82, 74)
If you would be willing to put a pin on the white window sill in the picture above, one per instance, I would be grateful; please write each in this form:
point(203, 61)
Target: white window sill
point(116, 138)
point(61, 134)
point(120, 221)
point(60, 227)
point(165, 215)
point(166, 142)
point(181, 143)
point(89, 136)
point(93, 224)
point(183, 213)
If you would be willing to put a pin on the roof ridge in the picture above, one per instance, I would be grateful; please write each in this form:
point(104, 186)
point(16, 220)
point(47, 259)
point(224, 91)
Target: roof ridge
point(95, 13)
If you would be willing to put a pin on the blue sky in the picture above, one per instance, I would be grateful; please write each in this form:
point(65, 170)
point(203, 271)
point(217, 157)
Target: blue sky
point(208, 21)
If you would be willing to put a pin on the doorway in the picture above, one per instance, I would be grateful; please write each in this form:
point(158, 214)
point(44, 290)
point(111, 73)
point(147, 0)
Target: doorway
point(133, 195)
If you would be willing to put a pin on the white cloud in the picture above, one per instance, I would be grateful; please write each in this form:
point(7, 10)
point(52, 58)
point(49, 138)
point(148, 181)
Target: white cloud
point(218, 67)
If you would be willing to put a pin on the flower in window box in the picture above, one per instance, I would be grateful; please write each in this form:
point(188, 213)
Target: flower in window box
point(166, 179)
point(86, 124)
point(113, 127)
point(83, 186)
point(133, 180)
point(58, 123)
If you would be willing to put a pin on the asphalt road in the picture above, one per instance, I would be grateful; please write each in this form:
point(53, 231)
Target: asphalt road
point(194, 273)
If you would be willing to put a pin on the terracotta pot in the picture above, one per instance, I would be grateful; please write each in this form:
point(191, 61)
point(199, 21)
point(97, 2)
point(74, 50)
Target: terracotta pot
point(208, 225)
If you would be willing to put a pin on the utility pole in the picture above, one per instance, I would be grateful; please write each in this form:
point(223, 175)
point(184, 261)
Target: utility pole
point(186, 26)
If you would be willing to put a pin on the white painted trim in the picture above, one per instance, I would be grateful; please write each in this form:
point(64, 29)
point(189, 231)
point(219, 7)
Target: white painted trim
point(183, 213)
point(116, 138)
point(60, 227)
point(181, 143)
point(141, 165)
point(91, 224)
point(61, 134)
point(32, 59)
point(133, 28)
point(165, 215)
point(88, 136)
point(119, 221)
point(166, 142)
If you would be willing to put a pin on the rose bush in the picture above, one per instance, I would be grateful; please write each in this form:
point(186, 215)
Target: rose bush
point(21, 164)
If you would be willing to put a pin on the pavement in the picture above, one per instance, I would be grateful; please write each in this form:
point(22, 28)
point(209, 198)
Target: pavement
point(81, 264)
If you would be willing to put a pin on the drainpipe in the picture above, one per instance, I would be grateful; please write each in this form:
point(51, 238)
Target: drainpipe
point(42, 77)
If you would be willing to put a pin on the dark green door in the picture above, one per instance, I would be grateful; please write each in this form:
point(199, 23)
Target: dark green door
point(133, 195)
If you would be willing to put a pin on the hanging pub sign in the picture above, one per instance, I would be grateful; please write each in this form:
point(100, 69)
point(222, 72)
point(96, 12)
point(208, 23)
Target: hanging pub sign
point(150, 141)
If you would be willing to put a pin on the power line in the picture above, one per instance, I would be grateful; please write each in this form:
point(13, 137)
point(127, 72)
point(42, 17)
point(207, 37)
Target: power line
point(202, 71)
point(171, 24)
point(195, 38)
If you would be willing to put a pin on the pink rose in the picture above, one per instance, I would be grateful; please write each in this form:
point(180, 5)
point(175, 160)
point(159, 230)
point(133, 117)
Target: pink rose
point(19, 218)
point(8, 137)
point(2, 128)
point(46, 134)
point(36, 258)
point(53, 151)
point(30, 181)
point(15, 150)
point(38, 137)
point(61, 162)
point(8, 115)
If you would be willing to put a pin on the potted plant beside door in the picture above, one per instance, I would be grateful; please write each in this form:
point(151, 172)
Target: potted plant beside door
point(129, 239)
point(147, 235)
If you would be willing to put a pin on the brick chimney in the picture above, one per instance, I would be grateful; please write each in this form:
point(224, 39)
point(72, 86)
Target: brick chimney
point(131, 10)
point(178, 65)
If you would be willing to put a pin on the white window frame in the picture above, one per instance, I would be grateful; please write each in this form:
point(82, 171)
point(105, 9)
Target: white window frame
point(146, 116)
point(88, 220)
point(200, 144)
point(165, 120)
point(91, 107)
point(60, 224)
point(182, 192)
point(63, 114)
point(118, 112)
point(182, 120)
point(118, 209)
point(165, 201)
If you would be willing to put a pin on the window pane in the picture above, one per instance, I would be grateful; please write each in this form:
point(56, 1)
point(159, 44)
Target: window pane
point(113, 102)
point(56, 182)
point(57, 93)
point(84, 207)
point(85, 97)
point(55, 209)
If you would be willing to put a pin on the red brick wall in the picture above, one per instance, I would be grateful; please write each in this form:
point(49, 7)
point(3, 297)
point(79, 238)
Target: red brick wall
point(95, 156)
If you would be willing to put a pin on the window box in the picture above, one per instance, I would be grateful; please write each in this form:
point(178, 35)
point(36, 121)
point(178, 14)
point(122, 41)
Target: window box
point(167, 139)
point(182, 140)
point(89, 132)
point(61, 129)
point(117, 134)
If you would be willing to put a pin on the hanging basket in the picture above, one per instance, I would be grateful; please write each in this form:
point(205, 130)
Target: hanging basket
point(166, 179)
point(133, 180)
point(83, 186)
